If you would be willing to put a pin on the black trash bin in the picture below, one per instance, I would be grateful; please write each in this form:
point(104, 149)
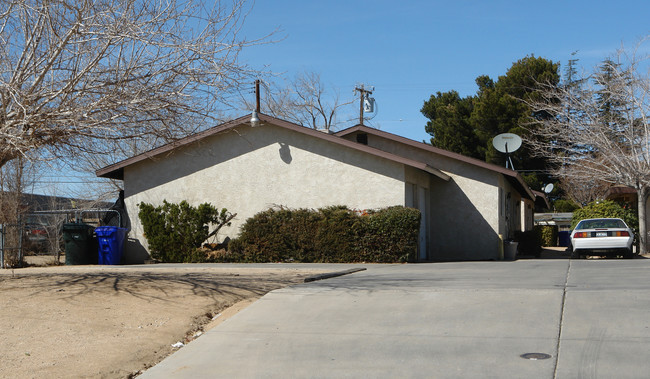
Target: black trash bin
point(80, 245)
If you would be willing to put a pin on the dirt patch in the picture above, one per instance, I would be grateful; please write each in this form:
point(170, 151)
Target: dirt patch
point(112, 322)
point(42, 260)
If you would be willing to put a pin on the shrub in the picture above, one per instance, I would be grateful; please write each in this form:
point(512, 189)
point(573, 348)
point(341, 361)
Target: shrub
point(174, 232)
point(332, 234)
point(605, 209)
point(546, 234)
point(389, 235)
point(275, 235)
point(336, 232)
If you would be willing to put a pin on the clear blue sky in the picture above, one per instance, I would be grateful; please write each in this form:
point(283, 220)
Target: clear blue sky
point(409, 50)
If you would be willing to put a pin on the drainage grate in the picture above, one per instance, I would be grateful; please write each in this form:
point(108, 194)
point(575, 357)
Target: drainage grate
point(535, 356)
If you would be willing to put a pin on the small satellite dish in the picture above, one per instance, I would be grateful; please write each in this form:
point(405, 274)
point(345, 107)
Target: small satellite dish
point(506, 142)
point(548, 188)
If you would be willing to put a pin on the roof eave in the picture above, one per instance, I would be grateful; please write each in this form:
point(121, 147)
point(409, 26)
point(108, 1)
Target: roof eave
point(513, 176)
point(436, 172)
point(116, 171)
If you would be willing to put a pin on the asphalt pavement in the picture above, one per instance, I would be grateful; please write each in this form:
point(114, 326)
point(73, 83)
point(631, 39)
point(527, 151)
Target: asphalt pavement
point(545, 318)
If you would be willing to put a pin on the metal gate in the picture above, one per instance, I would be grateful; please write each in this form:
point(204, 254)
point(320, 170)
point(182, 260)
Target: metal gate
point(11, 238)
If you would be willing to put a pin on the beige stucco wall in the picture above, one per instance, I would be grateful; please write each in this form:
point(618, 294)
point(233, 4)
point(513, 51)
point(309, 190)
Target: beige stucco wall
point(417, 195)
point(467, 213)
point(466, 220)
point(248, 170)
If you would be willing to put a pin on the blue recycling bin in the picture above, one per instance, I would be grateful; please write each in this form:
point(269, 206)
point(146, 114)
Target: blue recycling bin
point(564, 239)
point(111, 243)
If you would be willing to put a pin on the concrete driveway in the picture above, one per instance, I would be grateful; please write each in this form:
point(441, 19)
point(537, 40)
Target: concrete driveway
point(589, 319)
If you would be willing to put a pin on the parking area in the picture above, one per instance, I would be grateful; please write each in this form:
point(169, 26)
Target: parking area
point(542, 318)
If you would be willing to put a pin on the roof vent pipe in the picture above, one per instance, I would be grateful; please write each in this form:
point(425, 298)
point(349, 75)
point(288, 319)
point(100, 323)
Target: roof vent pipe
point(255, 121)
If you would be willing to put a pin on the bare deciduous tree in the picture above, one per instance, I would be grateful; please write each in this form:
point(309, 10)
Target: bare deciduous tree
point(77, 75)
point(304, 101)
point(606, 137)
point(583, 191)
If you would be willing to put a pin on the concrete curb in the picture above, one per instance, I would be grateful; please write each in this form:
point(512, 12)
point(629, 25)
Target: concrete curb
point(328, 275)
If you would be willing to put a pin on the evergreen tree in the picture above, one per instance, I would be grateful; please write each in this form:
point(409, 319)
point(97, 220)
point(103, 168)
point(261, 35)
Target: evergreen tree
point(449, 125)
point(612, 104)
point(468, 125)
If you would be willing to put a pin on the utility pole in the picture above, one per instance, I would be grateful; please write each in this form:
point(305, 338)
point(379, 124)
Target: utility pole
point(257, 96)
point(363, 92)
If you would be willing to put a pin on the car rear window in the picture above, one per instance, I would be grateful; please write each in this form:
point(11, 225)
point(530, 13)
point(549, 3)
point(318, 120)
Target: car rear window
point(600, 224)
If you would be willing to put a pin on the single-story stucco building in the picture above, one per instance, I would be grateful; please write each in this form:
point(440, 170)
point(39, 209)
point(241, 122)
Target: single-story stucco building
point(469, 206)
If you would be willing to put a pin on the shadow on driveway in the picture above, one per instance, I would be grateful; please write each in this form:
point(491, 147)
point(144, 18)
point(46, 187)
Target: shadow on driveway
point(563, 253)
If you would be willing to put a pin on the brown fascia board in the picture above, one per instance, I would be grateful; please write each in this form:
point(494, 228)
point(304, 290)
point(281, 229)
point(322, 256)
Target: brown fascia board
point(513, 176)
point(116, 171)
point(541, 195)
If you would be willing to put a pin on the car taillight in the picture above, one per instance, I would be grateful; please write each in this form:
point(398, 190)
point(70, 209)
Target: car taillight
point(622, 234)
point(580, 235)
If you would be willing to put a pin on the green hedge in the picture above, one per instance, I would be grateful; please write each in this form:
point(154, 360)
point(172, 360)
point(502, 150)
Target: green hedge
point(174, 232)
point(546, 234)
point(606, 209)
point(334, 234)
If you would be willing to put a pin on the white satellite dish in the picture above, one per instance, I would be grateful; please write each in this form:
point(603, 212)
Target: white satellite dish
point(506, 142)
point(548, 188)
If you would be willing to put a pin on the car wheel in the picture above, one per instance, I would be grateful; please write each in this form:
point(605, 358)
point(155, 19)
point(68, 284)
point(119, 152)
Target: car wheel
point(629, 254)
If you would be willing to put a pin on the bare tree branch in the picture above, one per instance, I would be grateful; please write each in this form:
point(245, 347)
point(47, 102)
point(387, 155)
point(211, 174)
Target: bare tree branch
point(78, 74)
point(582, 191)
point(304, 101)
point(605, 137)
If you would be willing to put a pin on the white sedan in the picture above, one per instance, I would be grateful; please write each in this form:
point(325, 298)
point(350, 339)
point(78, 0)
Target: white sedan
point(602, 236)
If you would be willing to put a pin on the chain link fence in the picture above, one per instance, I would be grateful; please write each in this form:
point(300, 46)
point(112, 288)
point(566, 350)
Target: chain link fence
point(11, 245)
point(38, 239)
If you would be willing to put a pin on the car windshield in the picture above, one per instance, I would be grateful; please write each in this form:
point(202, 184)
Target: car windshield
point(601, 224)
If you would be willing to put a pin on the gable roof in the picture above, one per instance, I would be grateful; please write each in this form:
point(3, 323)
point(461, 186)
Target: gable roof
point(511, 175)
point(116, 171)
